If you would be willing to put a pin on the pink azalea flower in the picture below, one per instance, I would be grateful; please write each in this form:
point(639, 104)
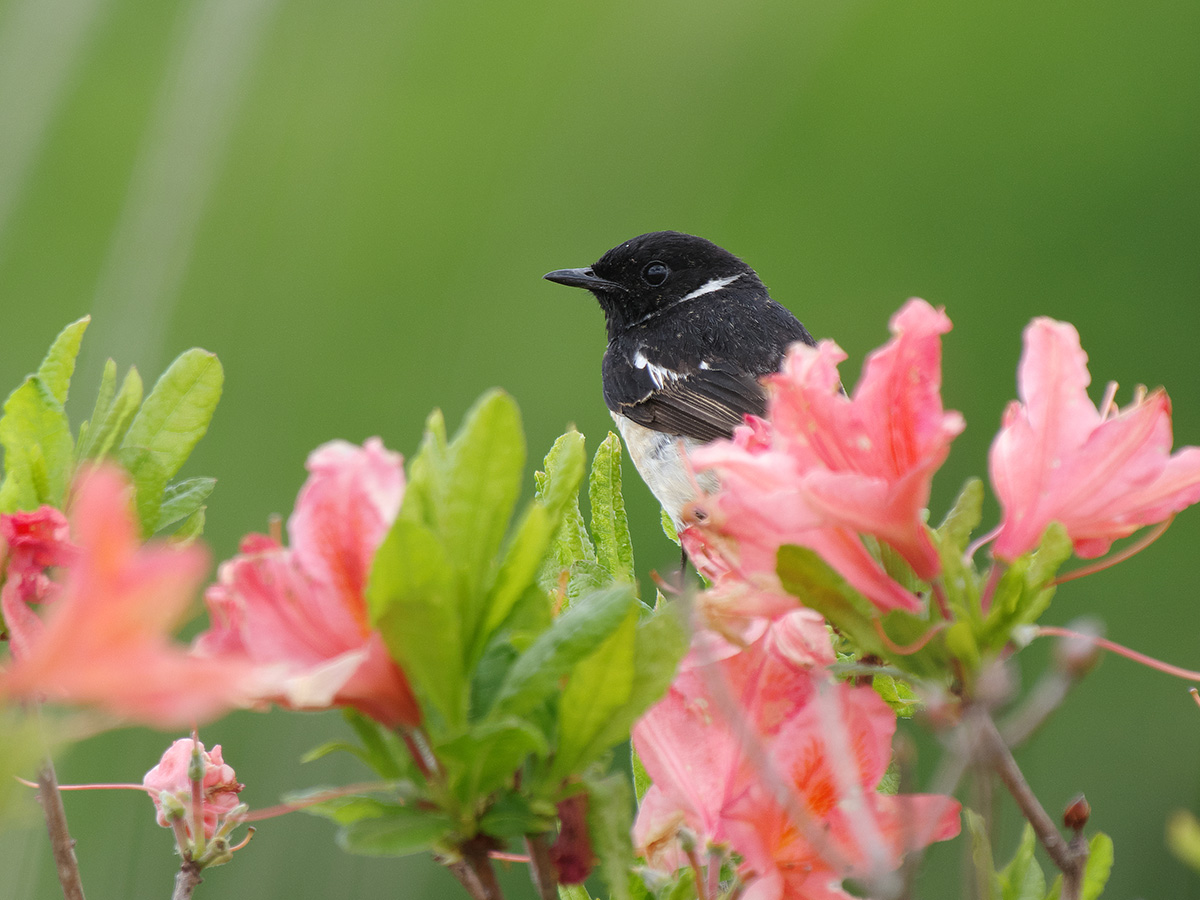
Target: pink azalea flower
point(300, 613)
point(219, 793)
point(1059, 458)
point(35, 541)
point(825, 468)
point(825, 745)
point(105, 640)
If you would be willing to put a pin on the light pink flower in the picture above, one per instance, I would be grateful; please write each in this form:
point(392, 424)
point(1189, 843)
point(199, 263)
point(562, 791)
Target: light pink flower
point(825, 745)
point(220, 788)
point(825, 468)
point(300, 613)
point(105, 641)
point(1059, 458)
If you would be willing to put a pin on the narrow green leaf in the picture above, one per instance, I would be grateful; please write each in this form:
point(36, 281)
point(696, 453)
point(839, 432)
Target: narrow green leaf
point(809, 578)
point(955, 531)
point(597, 688)
point(413, 601)
point(641, 778)
point(660, 643)
point(563, 469)
point(981, 855)
point(487, 757)
point(192, 528)
point(424, 491)
point(483, 480)
point(107, 432)
point(38, 449)
point(511, 815)
point(573, 892)
point(167, 427)
point(104, 399)
point(519, 567)
point(610, 824)
point(1053, 550)
point(182, 499)
point(1022, 878)
point(59, 364)
point(382, 749)
point(610, 528)
point(536, 674)
point(402, 831)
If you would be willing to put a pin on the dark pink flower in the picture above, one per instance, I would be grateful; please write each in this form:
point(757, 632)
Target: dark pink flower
point(219, 789)
point(1058, 458)
point(758, 749)
point(105, 641)
point(826, 468)
point(300, 613)
point(35, 541)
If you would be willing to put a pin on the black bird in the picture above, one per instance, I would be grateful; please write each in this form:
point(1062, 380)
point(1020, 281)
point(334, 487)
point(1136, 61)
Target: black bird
point(691, 331)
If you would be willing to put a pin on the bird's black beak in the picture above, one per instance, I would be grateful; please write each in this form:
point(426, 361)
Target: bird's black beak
point(584, 278)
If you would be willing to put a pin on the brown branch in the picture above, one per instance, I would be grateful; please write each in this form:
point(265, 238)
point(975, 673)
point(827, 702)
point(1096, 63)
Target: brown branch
point(186, 880)
point(1070, 857)
point(60, 838)
point(541, 869)
point(475, 873)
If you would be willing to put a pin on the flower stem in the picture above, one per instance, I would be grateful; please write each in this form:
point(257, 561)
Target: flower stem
point(60, 838)
point(1120, 556)
point(1177, 671)
point(541, 869)
point(475, 873)
point(186, 880)
point(1070, 857)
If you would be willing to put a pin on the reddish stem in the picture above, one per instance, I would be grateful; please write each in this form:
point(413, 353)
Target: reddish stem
point(1104, 643)
point(1120, 556)
point(61, 843)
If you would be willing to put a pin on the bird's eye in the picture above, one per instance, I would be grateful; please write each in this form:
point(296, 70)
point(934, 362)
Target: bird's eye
point(655, 273)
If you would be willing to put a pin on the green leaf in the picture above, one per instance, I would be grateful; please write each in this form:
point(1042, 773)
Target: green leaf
point(641, 778)
point(1096, 871)
point(1053, 550)
point(167, 427)
point(660, 643)
point(610, 825)
point(536, 674)
point(38, 449)
point(59, 364)
point(897, 694)
point(981, 855)
point(955, 531)
point(573, 892)
point(511, 815)
point(483, 480)
point(413, 601)
point(183, 498)
point(520, 565)
point(809, 578)
point(1183, 838)
point(104, 399)
point(382, 749)
point(1022, 878)
point(427, 474)
point(192, 528)
point(398, 831)
point(106, 429)
point(487, 757)
point(610, 528)
point(598, 686)
point(668, 528)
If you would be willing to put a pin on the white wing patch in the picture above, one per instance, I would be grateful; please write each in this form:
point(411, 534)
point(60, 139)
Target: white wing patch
point(659, 375)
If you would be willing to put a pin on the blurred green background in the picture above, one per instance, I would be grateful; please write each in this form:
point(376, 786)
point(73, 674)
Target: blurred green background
point(353, 203)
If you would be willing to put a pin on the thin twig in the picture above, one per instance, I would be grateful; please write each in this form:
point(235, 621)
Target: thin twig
point(475, 873)
point(186, 880)
point(1069, 857)
point(60, 838)
point(541, 869)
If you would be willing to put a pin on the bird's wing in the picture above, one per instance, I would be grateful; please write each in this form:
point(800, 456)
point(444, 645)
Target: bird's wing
point(704, 404)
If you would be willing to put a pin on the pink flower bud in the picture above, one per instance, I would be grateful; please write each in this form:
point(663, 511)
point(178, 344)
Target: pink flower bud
point(219, 788)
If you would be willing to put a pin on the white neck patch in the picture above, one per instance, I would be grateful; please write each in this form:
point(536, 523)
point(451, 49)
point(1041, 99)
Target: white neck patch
point(713, 284)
